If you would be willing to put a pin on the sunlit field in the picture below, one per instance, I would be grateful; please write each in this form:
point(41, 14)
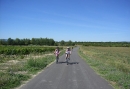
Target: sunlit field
point(19, 63)
point(112, 63)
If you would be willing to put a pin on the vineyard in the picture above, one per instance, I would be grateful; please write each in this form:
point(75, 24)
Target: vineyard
point(24, 50)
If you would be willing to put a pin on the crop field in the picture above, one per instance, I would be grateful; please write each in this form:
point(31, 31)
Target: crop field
point(19, 63)
point(112, 63)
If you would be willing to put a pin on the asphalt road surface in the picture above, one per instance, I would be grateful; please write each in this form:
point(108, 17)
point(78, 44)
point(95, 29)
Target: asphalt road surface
point(71, 76)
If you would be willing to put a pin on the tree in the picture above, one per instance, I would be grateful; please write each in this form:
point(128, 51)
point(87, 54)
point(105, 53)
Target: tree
point(33, 41)
point(17, 41)
point(62, 43)
point(46, 41)
point(55, 44)
point(51, 42)
point(10, 41)
point(3, 42)
point(69, 42)
point(26, 41)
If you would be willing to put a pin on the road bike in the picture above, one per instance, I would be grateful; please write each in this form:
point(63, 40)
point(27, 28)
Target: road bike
point(67, 59)
point(57, 59)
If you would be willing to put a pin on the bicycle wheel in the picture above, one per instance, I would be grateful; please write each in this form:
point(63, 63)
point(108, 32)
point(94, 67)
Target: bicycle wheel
point(57, 59)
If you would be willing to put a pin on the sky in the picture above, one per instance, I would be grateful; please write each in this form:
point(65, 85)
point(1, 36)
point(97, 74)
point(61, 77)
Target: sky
point(75, 20)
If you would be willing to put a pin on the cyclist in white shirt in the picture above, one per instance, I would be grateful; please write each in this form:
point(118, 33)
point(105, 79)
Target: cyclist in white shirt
point(68, 53)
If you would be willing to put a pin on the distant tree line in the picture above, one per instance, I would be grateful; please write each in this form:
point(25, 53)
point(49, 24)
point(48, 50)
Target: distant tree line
point(52, 42)
point(107, 44)
point(33, 41)
point(36, 41)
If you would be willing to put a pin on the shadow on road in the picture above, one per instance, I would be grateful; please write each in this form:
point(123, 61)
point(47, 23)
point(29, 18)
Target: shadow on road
point(70, 63)
point(61, 62)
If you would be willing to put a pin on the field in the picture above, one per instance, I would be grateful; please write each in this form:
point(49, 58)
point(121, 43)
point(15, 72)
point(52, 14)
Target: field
point(19, 63)
point(112, 63)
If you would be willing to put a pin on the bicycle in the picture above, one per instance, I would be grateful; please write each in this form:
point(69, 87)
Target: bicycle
point(67, 59)
point(57, 59)
point(57, 55)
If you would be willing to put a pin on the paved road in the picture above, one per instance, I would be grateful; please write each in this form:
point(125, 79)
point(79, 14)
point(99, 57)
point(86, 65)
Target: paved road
point(72, 76)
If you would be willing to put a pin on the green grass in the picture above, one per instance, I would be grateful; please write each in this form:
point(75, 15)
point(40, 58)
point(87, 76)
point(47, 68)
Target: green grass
point(112, 63)
point(10, 80)
point(33, 65)
point(13, 73)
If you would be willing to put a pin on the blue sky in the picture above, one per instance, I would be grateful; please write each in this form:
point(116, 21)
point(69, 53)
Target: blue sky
point(76, 20)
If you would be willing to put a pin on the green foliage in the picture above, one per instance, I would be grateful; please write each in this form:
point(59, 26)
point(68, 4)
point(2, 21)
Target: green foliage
point(51, 42)
point(66, 43)
point(24, 50)
point(107, 44)
point(10, 80)
point(36, 64)
point(33, 41)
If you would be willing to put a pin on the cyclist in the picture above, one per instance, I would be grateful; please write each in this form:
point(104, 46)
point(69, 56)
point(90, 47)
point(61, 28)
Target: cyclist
point(57, 52)
point(68, 53)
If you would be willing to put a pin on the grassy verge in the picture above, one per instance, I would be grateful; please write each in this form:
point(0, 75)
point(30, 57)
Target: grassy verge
point(14, 72)
point(111, 63)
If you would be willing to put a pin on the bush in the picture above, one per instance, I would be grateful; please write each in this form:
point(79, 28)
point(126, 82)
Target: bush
point(40, 63)
point(10, 80)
